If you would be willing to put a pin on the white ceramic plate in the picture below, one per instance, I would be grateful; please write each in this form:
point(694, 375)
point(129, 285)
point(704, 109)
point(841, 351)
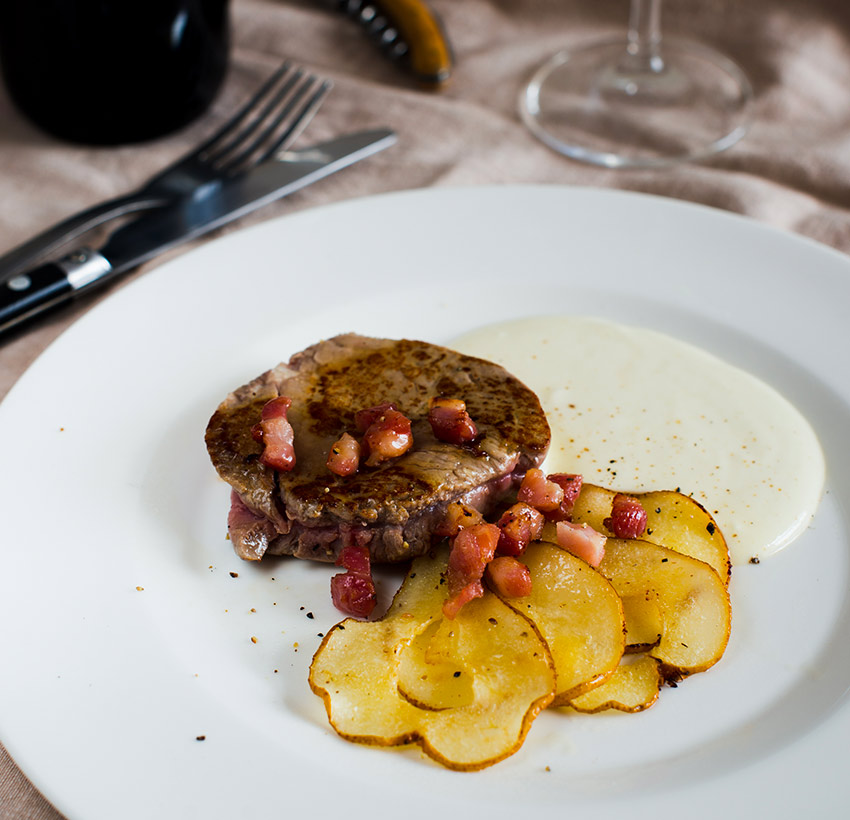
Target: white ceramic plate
point(126, 635)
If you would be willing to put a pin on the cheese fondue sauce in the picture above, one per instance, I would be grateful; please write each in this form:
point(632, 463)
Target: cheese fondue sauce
point(635, 410)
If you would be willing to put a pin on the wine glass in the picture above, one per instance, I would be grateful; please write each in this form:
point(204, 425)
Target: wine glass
point(638, 101)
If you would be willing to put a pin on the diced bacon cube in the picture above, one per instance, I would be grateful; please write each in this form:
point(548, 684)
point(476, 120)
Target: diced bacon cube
point(539, 492)
point(450, 421)
point(388, 436)
point(520, 525)
point(582, 541)
point(353, 591)
point(628, 517)
point(472, 549)
point(571, 485)
point(353, 594)
point(276, 434)
point(508, 577)
point(344, 456)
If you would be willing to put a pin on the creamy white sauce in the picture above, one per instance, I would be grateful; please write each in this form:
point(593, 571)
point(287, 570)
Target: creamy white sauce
point(635, 410)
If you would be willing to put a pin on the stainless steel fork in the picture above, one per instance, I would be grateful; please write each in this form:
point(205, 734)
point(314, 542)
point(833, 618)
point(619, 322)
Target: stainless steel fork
point(268, 123)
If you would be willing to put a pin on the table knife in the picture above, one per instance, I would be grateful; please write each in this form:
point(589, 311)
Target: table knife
point(30, 294)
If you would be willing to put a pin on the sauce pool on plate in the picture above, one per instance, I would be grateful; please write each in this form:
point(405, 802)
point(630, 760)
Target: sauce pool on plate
point(636, 410)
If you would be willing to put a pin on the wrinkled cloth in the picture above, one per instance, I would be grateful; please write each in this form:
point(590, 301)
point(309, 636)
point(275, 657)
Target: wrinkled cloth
point(791, 171)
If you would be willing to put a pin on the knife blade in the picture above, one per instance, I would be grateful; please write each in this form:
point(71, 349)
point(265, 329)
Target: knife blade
point(29, 295)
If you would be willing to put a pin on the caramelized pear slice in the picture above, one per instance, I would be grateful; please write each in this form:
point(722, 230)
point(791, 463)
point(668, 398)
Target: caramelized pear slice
point(632, 688)
point(429, 675)
point(673, 520)
point(466, 690)
point(692, 600)
point(578, 614)
point(643, 623)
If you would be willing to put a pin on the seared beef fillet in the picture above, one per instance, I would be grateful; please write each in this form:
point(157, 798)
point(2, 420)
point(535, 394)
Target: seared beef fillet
point(394, 507)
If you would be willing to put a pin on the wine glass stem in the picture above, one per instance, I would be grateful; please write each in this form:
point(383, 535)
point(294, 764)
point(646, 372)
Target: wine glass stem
point(644, 37)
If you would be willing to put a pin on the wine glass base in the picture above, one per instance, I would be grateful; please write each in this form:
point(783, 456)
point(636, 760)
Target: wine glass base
point(600, 105)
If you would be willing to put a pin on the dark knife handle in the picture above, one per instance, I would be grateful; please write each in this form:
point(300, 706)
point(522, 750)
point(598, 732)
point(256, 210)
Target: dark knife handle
point(32, 293)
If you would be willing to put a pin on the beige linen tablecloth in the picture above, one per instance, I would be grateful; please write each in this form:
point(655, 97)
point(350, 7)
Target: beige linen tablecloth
point(791, 171)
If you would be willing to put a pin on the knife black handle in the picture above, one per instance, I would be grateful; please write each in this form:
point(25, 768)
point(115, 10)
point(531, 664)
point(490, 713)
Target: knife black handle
point(31, 293)
point(34, 292)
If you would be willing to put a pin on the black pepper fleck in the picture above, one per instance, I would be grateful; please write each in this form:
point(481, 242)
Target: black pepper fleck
point(234, 574)
point(310, 615)
point(201, 737)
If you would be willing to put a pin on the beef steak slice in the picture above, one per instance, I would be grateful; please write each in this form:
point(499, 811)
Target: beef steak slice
point(393, 507)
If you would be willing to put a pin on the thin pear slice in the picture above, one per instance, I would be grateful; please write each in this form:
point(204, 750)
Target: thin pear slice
point(692, 600)
point(429, 674)
point(635, 686)
point(578, 614)
point(643, 623)
point(356, 671)
point(673, 520)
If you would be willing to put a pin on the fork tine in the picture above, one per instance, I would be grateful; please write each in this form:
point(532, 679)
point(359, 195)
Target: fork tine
point(301, 121)
point(294, 113)
point(243, 113)
point(255, 118)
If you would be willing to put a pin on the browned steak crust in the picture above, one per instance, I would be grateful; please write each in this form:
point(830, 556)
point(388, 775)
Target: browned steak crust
point(393, 507)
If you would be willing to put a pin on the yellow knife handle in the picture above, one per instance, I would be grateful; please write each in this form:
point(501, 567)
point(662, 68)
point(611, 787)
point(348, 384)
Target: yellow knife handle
point(429, 53)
